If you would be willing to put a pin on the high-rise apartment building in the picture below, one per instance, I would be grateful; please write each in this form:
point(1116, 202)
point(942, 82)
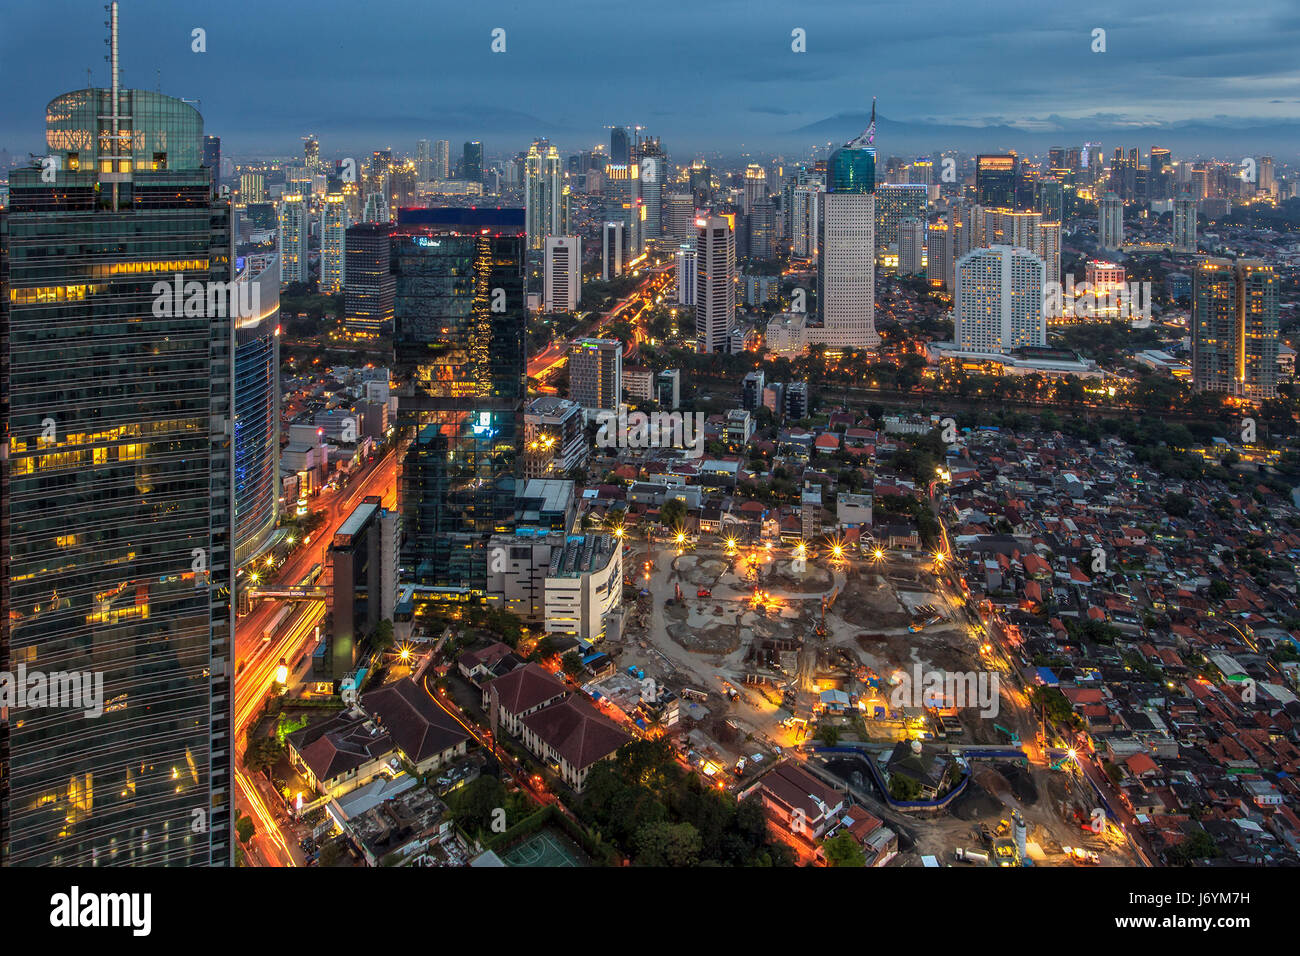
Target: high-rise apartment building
point(911, 247)
point(998, 304)
point(805, 210)
point(118, 531)
point(596, 373)
point(679, 217)
point(441, 160)
point(212, 157)
point(1185, 224)
point(715, 283)
point(542, 179)
point(563, 273)
point(1110, 222)
point(333, 243)
point(1235, 328)
point(938, 249)
point(293, 232)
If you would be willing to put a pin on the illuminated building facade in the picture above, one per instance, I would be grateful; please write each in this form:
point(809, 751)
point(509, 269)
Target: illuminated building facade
point(118, 510)
point(1235, 328)
point(1110, 222)
point(294, 261)
point(715, 283)
point(995, 181)
point(333, 243)
point(459, 316)
point(998, 305)
point(257, 415)
point(542, 193)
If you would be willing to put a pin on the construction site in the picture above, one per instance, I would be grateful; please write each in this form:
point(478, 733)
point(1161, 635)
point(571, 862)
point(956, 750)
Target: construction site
point(772, 654)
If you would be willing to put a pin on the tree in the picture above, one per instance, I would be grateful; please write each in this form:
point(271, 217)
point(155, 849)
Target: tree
point(572, 664)
point(843, 850)
point(383, 637)
point(673, 513)
point(244, 828)
point(667, 844)
point(828, 734)
point(903, 787)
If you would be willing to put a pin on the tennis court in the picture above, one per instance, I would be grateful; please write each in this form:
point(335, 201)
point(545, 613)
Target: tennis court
point(544, 848)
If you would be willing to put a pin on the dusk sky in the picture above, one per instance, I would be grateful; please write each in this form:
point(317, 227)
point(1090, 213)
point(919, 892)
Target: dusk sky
point(713, 75)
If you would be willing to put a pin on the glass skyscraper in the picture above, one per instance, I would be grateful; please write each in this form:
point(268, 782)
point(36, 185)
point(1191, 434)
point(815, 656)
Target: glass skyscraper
point(459, 316)
point(117, 497)
point(257, 416)
point(852, 169)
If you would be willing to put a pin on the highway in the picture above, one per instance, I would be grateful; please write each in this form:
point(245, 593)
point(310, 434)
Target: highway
point(258, 660)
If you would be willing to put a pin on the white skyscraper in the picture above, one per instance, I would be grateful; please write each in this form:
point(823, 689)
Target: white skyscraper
point(333, 243)
point(715, 284)
point(423, 161)
point(441, 160)
point(846, 272)
point(1110, 222)
point(998, 304)
point(563, 285)
point(679, 217)
point(542, 193)
point(805, 210)
point(686, 275)
point(293, 240)
point(911, 247)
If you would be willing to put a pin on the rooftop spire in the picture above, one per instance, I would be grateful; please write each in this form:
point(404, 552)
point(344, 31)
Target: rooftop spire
point(868, 136)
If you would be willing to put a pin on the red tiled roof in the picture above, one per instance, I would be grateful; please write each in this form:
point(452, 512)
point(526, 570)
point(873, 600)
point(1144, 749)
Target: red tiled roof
point(577, 732)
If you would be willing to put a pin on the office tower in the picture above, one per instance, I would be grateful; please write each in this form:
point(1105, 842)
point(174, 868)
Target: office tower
point(1235, 328)
point(116, 546)
point(542, 193)
point(755, 187)
point(622, 193)
point(212, 157)
point(894, 203)
point(1184, 224)
point(966, 225)
point(257, 413)
point(563, 262)
point(938, 249)
point(762, 230)
point(805, 206)
point(715, 283)
point(686, 274)
point(459, 316)
point(402, 180)
point(371, 286)
point(294, 261)
point(613, 254)
point(668, 388)
point(679, 217)
point(846, 264)
point(751, 390)
point(1160, 176)
point(620, 146)
point(911, 246)
point(921, 171)
point(333, 243)
point(998, 305)
point(1265, 185)
point(1110, 222)
point(1049, 199)
point(596, 373)
point(311, 154)
point(423, 160)
point(653, 167)
point(1104, 288)
point(252, 188)
point(364, 558)
point(995, 181)
point(471, 162)
point(440, 161)
point(701, 178)
point(376, 209)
